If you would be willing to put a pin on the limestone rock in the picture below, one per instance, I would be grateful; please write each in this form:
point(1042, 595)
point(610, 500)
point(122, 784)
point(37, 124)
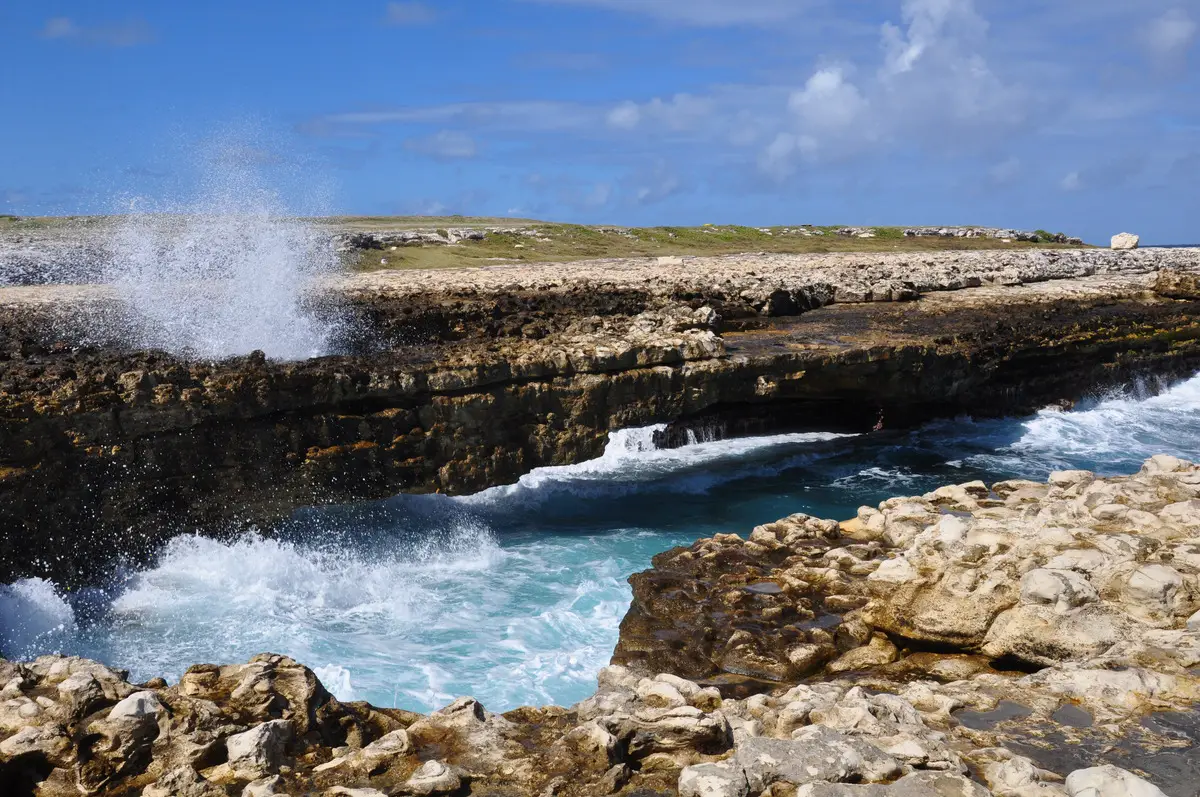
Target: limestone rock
point(138, 706)
point(724, 779)
point(258, 752)
point(433, 777)
point(1125, 240)
point(1176, 284)
point(1109, 781)
point(813, 754)
point(918, 784)
point(264, 787)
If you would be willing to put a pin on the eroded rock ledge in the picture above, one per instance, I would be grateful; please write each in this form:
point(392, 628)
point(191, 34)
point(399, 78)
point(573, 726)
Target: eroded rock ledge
point(1018, 640)
point(472, 378)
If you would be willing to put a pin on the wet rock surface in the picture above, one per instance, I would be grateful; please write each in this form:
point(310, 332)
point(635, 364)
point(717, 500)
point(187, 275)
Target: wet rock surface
point(900, 699)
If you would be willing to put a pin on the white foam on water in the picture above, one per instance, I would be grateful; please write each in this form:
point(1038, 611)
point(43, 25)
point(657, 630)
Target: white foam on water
point(207, 600)
point(1112, 434)
point(33, 617)
point(224, 273)
point(875, 476)
point(336, 679)
point(631, 461)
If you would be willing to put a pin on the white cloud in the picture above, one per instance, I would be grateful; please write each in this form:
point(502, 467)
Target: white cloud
point(444, 145)
point(703, 13)
point(828, 101)
point(1168, 38)
point(60, 28)
point(929, 22)
point(681, 112)
point(409, 14)
point(936, 84)
point(933, 87)
point(625, 116)
point(935, 78)
point(121, 34)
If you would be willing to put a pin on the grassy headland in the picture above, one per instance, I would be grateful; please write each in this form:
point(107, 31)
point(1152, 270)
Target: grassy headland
point(548, 242)
point(503, 240)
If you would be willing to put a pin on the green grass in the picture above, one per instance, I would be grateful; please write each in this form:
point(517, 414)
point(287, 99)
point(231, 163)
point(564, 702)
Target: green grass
point(567, 242)
point(554, 242)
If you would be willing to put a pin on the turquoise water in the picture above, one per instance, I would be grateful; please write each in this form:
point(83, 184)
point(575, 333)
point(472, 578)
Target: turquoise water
point(515, 595)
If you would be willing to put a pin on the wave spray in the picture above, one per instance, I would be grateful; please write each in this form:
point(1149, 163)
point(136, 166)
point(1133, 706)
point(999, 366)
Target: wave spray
point(224, 273)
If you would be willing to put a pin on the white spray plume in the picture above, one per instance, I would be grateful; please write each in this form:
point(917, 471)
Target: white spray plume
point(224, 274)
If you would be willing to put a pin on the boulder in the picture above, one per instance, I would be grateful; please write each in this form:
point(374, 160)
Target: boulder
point(138, 707)
point(257, 752)
point(1109, 781)
point(814, 754)
point(433, 777)
point(1125, 240)
point(723, 779)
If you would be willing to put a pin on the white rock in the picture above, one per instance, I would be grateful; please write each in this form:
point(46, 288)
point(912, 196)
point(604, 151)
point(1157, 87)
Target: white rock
point(723, 779)
point(1193, 622)
point(1069, 478)
point(1165, 463)
point(1125, 240)
point(257, 752)
point(264, 787)
point(1185, 513)
point(433, 777)
point(1063, 589)
point(1085, 560)
point(894, 571)
point(137, 706)
point(390, 745)
point(658, 694)
point(614, 676)
point(1152, 587)
point(1108, 781)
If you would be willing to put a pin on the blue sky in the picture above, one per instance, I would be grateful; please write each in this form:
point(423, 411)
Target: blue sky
point(1079, 115)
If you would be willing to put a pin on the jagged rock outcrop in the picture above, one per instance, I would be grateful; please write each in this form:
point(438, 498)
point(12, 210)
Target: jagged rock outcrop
point(990, 232)
point(891, 716)
point(1037, 622)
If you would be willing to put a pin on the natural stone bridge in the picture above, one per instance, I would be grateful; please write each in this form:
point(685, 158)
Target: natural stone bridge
point(474, 377)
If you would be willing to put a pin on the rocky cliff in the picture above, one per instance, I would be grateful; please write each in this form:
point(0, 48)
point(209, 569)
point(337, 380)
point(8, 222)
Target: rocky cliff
point(458, 380)
point(1018, 639)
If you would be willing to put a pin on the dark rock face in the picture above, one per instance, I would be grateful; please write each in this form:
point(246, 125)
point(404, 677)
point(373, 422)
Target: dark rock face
point(768, 610)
